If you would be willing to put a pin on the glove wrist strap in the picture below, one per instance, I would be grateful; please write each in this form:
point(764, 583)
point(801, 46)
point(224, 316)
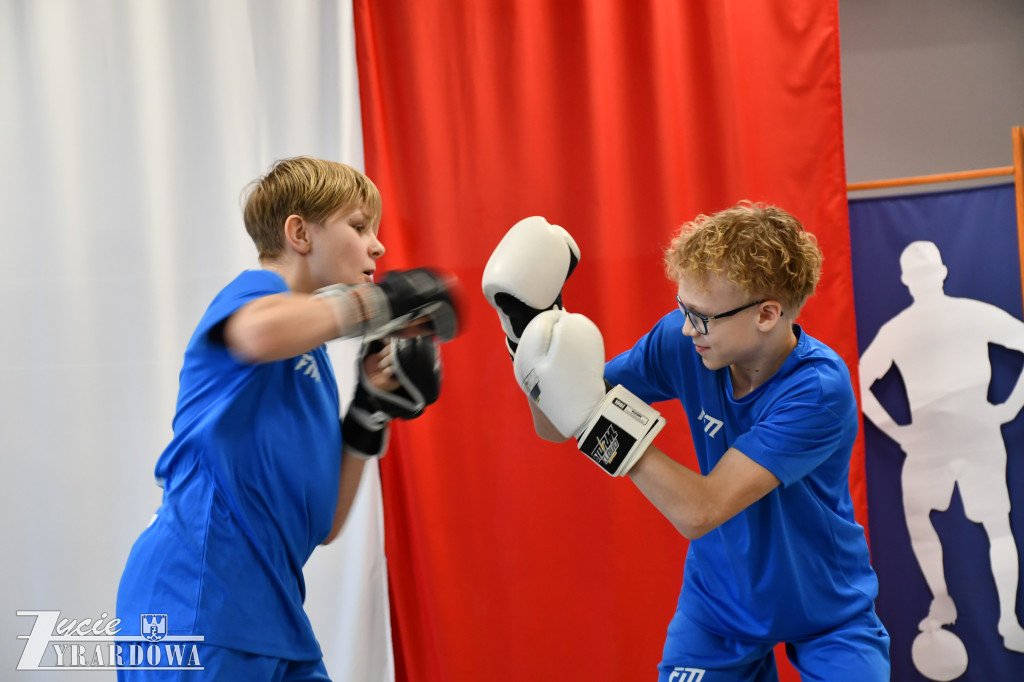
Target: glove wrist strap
point(365, 433)
point(619, 432)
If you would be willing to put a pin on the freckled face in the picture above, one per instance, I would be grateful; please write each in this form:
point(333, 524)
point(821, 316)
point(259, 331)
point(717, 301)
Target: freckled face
point(345, 249)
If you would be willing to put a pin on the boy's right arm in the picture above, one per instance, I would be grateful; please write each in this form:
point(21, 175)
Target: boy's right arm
point(281, 326)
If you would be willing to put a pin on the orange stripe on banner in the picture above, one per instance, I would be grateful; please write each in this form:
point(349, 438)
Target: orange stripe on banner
point(1018, 176)
point(928, 179)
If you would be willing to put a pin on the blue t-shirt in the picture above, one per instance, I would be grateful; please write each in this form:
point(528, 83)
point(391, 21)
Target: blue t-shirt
point(794, 563)
point(250, 483)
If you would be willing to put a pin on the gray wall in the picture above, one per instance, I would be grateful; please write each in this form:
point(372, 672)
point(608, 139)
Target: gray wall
point(930, 86)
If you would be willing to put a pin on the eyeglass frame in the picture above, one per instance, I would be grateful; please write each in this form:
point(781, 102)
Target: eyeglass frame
point(704, 319)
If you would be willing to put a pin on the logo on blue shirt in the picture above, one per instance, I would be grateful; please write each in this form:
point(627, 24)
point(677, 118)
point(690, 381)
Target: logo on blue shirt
point(307, 365)
point(711, 425)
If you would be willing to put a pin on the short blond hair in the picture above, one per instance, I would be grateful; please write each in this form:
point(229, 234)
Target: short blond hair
point(762, 249)
point(308, 187)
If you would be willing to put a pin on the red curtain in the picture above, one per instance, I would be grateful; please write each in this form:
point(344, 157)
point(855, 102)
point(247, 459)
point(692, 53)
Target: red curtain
point(619, 120)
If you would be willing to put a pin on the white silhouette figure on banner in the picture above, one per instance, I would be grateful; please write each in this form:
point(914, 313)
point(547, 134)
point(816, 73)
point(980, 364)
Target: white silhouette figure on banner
point(940, 346)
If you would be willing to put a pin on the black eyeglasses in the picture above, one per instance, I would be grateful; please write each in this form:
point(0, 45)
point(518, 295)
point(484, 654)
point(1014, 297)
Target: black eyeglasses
point(700, 322)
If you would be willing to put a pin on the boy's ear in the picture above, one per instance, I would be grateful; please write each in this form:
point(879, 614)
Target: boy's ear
point(771, 311)
point(297, 234)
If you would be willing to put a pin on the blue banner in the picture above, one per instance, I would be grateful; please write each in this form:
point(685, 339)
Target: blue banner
point(938, 299)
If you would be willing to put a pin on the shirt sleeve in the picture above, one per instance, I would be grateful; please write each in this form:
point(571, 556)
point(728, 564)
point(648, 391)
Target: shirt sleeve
point(812, 420)
point(248, 286)
point(645, 369)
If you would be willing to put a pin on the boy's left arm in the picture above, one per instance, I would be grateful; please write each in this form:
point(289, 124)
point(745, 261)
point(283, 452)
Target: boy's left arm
point(348, 486)
point(560, 366)
point(398, 379)
point(697, 504)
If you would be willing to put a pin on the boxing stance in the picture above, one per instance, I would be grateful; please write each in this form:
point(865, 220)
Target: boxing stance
point(261, 467)
point(775, 554)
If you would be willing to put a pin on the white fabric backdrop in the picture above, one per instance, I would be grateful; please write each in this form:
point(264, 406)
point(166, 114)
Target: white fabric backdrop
point(128, 129)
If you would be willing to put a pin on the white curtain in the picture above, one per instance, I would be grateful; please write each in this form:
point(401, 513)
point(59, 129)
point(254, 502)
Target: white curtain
point(127, 130)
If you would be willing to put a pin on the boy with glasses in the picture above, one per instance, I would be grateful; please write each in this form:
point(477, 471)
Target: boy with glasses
point(775, 553)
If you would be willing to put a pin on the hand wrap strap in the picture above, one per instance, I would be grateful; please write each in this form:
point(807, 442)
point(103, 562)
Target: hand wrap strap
point(376, 311)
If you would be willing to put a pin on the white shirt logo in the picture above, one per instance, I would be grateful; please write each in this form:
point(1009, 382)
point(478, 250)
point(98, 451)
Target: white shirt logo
point(307, 365)
point(711, 425)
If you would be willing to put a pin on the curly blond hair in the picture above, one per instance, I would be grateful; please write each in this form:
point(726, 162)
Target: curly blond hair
point(760, 248)
point(308, 187)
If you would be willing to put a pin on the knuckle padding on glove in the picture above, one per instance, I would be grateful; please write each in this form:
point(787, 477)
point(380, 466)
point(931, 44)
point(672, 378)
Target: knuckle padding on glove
point(420, 292)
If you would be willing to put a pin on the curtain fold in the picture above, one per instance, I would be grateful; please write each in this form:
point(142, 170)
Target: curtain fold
point(619, 121)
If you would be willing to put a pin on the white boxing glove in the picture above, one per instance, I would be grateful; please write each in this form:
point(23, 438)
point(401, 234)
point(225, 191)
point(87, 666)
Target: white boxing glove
point(526, 273)
point(560, 366)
